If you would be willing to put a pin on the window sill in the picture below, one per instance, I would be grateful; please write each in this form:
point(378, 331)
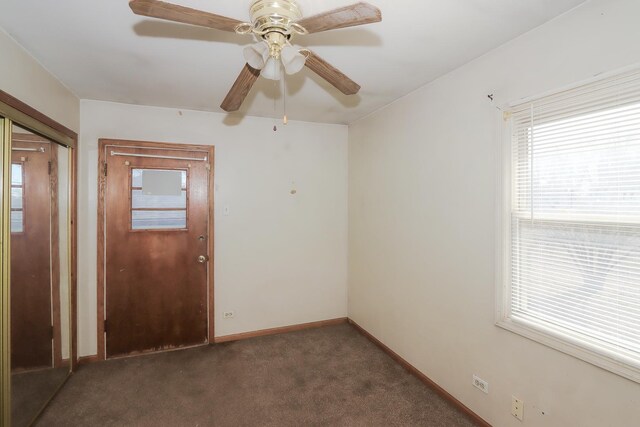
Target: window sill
point(553, 340)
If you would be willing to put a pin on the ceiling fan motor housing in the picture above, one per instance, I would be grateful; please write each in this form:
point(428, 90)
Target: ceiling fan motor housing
point(274, 16)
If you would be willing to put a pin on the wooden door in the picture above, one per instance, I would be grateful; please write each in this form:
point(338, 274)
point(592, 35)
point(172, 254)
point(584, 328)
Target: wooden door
point(156, 210)
point(31, 291)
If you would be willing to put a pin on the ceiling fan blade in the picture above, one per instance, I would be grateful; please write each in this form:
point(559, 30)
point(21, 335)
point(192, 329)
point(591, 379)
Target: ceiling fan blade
point(185, 15)
point(331, 74)
point(349, 16)
point(240, 89)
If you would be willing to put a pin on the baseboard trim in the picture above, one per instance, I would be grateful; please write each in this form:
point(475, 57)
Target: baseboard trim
point(281, 330)
point(85, 360)
point(422, 377)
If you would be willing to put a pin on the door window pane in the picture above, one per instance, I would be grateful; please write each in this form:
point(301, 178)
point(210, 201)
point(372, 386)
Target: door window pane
point(158, 220)
point(161, 182)
point(17, 224)
point(17, 198)
point(136, 176)
point(140, 200)
point(158, 199)
point(16, 174)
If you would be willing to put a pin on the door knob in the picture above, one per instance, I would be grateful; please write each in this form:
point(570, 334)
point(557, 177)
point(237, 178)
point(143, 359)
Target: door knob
point(202, 259)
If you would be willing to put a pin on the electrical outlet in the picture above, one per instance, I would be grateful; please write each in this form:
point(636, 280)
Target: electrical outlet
point(517, 408)
point(480, 384)
point(228, 315)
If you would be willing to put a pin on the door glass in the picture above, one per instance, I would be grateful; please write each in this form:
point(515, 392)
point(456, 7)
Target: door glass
point(158, 199)
point(17, 194)
point(40, 332)
point(161, 182)
point(159, 220)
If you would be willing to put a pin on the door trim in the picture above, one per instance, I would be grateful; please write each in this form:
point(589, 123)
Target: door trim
point(102, 143)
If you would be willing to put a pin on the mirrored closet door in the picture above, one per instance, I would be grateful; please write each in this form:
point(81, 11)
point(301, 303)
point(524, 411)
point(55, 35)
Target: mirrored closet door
point(39, 297)
point(36, 270)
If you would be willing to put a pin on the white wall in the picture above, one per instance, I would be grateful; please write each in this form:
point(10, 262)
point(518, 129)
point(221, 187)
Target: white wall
point(279, 259)
point(422, 192)
point(24, 78)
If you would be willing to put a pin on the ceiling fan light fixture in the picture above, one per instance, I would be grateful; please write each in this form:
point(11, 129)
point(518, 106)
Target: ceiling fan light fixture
point(257, 55)
point(275, 22)
point(272, 69)
point(292, 60)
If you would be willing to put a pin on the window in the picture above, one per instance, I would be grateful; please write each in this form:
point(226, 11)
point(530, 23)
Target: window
point(158, 199)
point(572, 269)
point(17, 198)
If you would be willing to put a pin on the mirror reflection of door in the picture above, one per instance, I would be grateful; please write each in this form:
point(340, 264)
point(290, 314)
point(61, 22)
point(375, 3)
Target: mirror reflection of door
point(31, 286)
point(39, 298)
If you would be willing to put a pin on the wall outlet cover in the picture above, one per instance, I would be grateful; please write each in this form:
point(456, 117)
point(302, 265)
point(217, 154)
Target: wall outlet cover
point(480, 384)
point(517, 408)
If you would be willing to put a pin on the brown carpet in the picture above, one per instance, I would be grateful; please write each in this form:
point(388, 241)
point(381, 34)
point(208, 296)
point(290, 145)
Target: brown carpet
point(329, 376)
point(31, 390)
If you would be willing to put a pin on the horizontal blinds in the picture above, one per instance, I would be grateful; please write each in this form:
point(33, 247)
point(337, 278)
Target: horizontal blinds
point(575, 215)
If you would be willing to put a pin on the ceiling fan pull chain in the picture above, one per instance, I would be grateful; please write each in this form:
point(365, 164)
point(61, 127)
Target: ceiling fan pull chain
point(285, 120)
point(275, 109)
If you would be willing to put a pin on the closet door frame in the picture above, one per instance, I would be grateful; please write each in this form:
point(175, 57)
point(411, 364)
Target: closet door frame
point(12, 110)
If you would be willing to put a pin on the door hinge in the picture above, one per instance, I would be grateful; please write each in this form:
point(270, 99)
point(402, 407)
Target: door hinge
point(105, 326)
point(104, 170)
point(49, 167)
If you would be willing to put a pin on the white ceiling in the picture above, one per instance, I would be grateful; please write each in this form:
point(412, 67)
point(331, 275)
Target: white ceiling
point(102, 51)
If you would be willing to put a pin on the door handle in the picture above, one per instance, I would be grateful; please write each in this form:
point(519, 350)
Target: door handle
point(202, 259)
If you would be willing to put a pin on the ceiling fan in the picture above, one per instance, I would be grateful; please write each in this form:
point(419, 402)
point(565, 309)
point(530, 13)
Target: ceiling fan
point(274, 23)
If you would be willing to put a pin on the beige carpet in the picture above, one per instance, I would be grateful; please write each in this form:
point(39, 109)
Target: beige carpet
point(30, 391)
point(331, 376)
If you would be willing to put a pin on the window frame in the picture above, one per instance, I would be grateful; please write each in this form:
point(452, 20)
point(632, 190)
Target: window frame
point(535, 331)
point(131, 208)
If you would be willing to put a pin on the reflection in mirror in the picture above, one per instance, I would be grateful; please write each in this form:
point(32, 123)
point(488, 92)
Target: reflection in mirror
point(40, 344)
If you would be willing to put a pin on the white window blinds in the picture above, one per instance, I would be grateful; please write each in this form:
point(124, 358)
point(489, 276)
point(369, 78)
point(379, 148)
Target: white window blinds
point(575, 217)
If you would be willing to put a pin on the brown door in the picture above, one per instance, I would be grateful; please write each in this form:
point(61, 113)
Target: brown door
point(156, 213)
point(31, 326)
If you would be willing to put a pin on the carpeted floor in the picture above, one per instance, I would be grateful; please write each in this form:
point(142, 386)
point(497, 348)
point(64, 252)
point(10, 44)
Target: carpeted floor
point(330, 376)
point(31, 390)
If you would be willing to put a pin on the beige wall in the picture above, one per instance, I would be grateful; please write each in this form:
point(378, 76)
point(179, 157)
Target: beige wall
point(24, 78)
point(422, 188)
point(279, 259)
